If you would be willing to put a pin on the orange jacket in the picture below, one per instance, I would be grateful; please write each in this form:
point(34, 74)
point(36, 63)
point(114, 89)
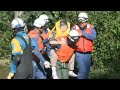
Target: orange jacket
point(83, 44)
point(34, 34)
point(65, 52)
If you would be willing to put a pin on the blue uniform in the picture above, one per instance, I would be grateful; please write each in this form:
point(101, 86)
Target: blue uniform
point(18, 45)
point(39, 69)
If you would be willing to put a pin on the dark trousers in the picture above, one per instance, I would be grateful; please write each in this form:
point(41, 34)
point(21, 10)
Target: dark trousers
point(83, 63)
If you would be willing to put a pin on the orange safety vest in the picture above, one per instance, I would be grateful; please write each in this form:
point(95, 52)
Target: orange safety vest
point(83, 44)
point(34, 34)
point(65, 52)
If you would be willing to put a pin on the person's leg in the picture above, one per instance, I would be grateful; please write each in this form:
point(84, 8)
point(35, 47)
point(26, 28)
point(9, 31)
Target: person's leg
point(53, 58)
point(84, 62)
point(40, 71)
point(53, 61)
point(65, 71)
point(39, 75)
point(59, 69)
point(71, 66)
point(48, 70)
point(34, 69)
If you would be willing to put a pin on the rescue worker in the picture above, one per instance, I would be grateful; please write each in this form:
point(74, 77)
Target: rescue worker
point(45, 37)
point(46, 30)
point(65, 50)
point(39, 61)
point(84, 46)
point(62, 29)
point(21, 61)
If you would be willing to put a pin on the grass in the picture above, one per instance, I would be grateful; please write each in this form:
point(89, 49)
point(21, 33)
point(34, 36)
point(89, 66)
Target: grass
point(105, 73)
point(4, 68)
point(101, 72)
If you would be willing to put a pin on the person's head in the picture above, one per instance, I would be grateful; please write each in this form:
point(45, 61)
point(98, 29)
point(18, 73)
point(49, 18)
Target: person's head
point(63, 25)
point(17, 25)
point(38, 25)
point(29, 27)
point(82, 19)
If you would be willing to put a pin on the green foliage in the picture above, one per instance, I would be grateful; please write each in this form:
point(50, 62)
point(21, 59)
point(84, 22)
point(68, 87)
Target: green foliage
point(106, 47)
point(5, 32)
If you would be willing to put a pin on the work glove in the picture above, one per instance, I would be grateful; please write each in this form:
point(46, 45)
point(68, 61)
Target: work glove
point(47, 64)
point(54, 74)
point(10, 75)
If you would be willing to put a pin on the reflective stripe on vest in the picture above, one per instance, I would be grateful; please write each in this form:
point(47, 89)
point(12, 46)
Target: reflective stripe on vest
point(83, 44)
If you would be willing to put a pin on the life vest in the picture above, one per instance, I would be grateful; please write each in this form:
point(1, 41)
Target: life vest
point(58, 31)
point(65, 52)
point(34, 34)
point(45, 34)
point(83, 44)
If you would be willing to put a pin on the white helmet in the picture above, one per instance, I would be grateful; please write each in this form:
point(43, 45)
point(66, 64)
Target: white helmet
point(83, 17)
point(73, 36)
point(44, 17)
point(17, 23)
point(73, 33)
point(38, 22)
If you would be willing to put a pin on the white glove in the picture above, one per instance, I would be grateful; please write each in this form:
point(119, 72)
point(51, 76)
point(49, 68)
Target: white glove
point(10, 75)
point(54, 74)
point(47, 64)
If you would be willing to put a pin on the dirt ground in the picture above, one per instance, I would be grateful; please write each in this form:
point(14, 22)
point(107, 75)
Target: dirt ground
point(4, 70)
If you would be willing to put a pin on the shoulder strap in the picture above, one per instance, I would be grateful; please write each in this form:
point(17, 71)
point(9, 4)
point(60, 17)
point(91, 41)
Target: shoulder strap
point(41, 37)
point(29, 40)
point(23, 39)
point(78, 26)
